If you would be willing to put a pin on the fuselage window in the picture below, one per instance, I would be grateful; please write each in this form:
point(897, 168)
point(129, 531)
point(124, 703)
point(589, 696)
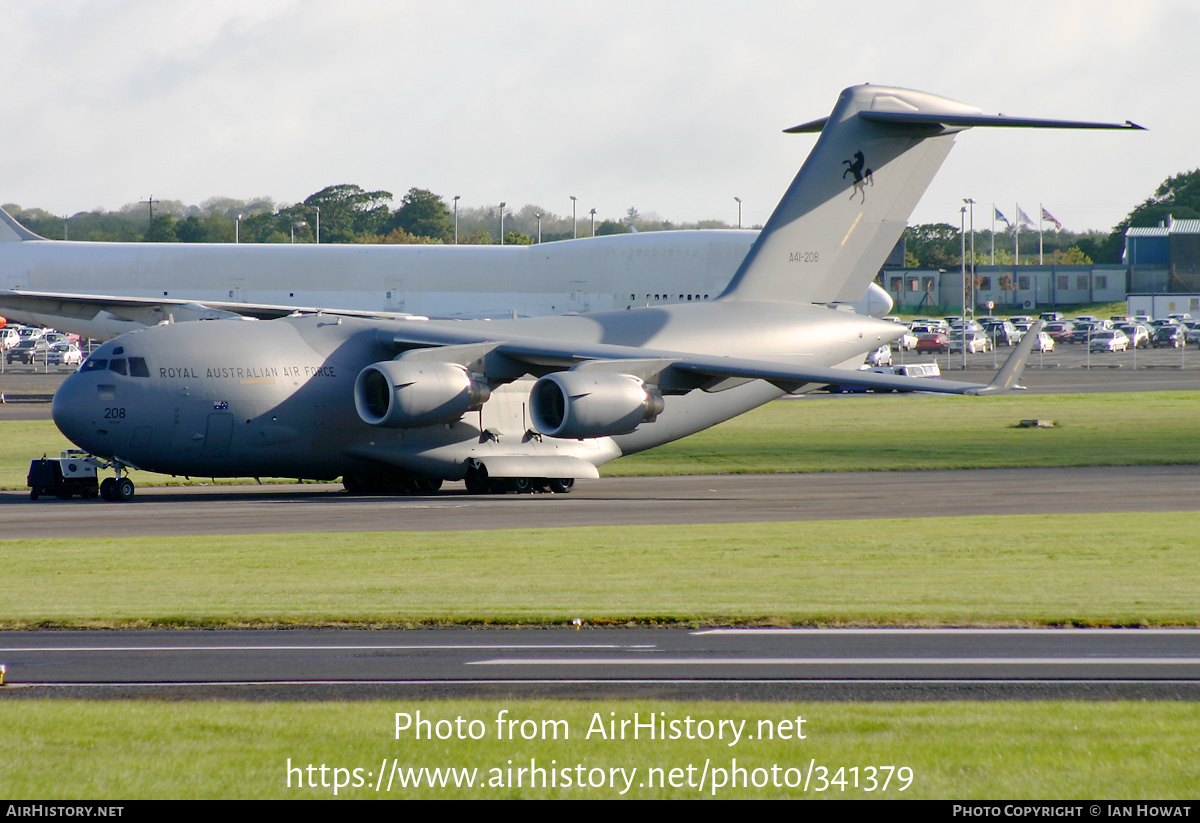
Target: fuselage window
point(138, 368)
point(118, 365)
point(94, 364)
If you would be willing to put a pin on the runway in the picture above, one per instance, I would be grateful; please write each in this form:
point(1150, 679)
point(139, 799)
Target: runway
point(611, 502)
point(837, 664)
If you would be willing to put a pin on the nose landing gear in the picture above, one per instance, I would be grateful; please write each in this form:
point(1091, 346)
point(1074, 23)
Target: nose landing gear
point(117, 489)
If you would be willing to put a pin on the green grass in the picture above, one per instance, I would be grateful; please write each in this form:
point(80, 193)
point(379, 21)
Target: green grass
point(1114, 569)
point(894, 432)
point(889, 432)
point(1012, 751)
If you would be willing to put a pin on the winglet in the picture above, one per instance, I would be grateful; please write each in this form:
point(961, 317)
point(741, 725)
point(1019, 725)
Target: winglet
point(11, 230)
point(1006, 379)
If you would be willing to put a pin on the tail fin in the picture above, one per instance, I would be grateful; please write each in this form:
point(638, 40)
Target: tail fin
point(11, 230)
point(850, 201)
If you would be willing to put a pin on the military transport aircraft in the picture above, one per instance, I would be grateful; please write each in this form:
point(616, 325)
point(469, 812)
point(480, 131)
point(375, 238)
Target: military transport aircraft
point(101, 290)
point(404, 404)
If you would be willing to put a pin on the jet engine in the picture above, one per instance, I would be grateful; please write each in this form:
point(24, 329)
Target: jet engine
point(574, 404)
point(399, 394)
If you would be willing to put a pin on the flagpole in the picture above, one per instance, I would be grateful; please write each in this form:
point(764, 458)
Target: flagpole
point(993, 234)
point(1017, 236)
point(1040, 247)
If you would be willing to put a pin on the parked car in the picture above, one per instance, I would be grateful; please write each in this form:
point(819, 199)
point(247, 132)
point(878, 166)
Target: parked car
point(1002, 333)
point(27, 351)
point(1044, 342)
point(1084, 331)
point(1168, 336)
point(1109, 340)
point(1139, 335)
point(907, 340)
point(1060, 331)
point(933, 341)
point(882, 356)
point(975, 342)
point(64, 354)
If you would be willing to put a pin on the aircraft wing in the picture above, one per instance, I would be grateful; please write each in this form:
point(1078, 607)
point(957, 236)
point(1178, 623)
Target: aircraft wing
point(152, 310)
point(674, 372)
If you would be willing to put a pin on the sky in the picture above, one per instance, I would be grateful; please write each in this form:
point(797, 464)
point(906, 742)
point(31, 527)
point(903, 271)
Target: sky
point(668, 106)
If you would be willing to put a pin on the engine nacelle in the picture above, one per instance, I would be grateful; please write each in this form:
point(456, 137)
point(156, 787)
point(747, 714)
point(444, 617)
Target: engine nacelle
point(574, 404)
point(407, 395)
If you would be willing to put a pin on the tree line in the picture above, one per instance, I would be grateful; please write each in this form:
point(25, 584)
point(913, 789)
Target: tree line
point(350, 214)
point(344, 213)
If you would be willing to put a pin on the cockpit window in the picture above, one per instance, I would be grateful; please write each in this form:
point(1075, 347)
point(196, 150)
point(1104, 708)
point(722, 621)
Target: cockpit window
point(138, 368)
point(94, 364)
point(118, 365)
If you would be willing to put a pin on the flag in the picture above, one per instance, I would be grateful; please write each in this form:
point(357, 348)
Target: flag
point(1048, 216)
point(999, 216)
point(1023, 217)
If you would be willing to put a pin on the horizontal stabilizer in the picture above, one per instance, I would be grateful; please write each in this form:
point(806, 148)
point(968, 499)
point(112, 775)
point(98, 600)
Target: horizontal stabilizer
point(904, 118)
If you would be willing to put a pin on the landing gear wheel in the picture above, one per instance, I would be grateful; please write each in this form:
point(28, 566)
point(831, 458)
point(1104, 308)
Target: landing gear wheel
point(106, 488)
point(477, 480)
point(427, 485)
point(522, 485)
point(123, 490)
point(353, 484)
point(562, 485)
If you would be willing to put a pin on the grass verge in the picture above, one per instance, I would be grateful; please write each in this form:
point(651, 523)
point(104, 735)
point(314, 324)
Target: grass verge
point(888, 432)
point(894, 432)
point(1013, 751)
point(1114, 569)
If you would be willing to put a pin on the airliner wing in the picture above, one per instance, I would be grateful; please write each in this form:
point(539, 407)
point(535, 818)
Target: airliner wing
point(150, 311)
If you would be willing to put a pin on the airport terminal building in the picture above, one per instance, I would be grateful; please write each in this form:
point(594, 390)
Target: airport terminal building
point(1162, 262)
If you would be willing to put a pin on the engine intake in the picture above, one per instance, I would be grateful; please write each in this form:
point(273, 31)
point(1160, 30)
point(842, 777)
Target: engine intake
point(408, 395)
point(578, 405)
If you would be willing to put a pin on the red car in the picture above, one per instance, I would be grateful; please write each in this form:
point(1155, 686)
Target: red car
point(933, 341)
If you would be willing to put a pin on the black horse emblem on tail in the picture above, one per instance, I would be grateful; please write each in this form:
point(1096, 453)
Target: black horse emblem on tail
point(862, 177)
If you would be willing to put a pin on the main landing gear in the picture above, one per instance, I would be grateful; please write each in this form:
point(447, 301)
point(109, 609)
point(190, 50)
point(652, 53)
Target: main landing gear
point(478, 482)
point(377, 484)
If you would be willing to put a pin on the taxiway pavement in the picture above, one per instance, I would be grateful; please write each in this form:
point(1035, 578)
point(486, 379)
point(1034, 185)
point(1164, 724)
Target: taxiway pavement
point(609, 501)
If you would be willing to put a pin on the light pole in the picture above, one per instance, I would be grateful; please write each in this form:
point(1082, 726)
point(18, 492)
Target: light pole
point(574, 222)
point(237, 230)
point(318, 208)
point(539, 217)
point(296, 223)
point(456, 219)
point(739, 202)
point(593, 222)
point(962, 237)
point(971, 205)
point(502, 205)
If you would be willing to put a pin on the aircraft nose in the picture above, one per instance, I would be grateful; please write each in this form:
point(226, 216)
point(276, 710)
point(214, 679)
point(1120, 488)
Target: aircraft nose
point(73, 410)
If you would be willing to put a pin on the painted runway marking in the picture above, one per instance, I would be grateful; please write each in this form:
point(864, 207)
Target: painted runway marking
point(414, 647)
point(847, 661)
point(1098, 633)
